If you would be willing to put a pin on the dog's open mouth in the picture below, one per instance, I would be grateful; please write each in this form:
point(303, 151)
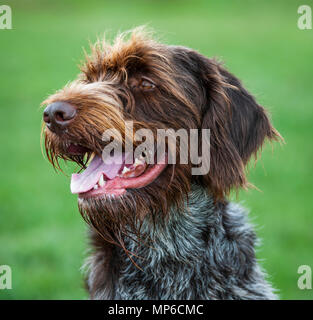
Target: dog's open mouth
point(114, 176)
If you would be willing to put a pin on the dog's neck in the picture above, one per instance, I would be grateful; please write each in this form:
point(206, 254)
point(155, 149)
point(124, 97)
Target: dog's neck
point(181, 240)
point(205, 251)
point(181, 236)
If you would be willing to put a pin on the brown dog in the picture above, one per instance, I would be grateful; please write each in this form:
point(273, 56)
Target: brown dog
point(183, 238)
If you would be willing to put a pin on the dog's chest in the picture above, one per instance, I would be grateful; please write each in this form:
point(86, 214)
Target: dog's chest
point(205, 253)
point(172, 265)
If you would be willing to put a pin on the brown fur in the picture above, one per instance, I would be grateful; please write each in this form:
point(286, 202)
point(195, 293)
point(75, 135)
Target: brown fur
point(191, 91)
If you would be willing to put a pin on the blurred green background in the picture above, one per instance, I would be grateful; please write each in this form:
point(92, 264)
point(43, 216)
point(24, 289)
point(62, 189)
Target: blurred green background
point(42, 236)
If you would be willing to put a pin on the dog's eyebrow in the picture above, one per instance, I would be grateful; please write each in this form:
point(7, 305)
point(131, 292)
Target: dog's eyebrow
point(148, 79)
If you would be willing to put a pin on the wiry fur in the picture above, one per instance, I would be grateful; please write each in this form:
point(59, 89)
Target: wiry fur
point(205, 251)
point(177, 237)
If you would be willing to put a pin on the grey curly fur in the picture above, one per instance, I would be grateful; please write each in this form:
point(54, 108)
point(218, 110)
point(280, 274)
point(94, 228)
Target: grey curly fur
point(205, 252)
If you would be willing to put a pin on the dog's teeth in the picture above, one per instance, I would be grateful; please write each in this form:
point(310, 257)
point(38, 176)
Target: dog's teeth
point(101, 181)
point(139, 161)
point(96, 187)
point(125, 170)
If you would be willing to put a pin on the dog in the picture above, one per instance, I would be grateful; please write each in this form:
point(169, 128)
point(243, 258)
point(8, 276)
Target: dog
point(156, 230)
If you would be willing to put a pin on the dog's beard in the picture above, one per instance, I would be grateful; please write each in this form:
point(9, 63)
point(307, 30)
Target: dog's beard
point(119, 218)
point(116, 219)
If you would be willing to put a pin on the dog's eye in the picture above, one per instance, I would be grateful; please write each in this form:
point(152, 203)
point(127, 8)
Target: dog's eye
point(146, 85)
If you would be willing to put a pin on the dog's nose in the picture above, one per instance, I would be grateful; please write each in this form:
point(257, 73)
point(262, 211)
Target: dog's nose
point(58, 115)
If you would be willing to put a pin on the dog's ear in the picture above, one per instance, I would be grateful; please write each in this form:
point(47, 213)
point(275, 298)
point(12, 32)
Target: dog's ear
point(238, 125)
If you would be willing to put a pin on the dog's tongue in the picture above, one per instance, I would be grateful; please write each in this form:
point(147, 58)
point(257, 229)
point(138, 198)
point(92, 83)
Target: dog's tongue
point(85, 181)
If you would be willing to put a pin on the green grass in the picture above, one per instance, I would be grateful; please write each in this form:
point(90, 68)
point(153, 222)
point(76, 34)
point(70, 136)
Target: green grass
point(42, 235)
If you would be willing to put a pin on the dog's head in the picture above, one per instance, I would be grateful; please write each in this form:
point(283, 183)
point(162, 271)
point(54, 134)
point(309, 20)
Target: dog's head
point(152, 86)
